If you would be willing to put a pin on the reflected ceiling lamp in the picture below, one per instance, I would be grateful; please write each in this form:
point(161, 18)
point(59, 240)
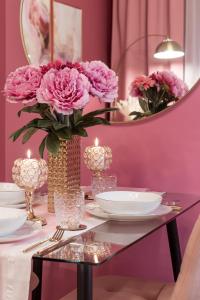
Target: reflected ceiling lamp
point(168, 49)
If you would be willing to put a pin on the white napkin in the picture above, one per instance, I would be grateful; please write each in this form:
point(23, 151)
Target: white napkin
point(15, 272)
point(15, 266)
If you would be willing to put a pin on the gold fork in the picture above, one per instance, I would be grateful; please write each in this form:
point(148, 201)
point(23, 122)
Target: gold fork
point(57, 236)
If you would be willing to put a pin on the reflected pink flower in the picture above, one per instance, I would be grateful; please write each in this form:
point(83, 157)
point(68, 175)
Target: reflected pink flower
point(176, 86)
point(65, 90)
point(21, 85)
point(104, 82)
point(140, 84)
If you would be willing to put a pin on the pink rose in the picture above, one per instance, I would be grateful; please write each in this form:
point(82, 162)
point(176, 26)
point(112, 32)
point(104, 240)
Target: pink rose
point(65, 89)
point(140, 84)
point(21, 85)
point(104, 82)
point(176, 86)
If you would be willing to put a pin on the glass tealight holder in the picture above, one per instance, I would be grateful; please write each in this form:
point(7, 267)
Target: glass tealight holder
point(103, 184)
point(30, 174)
point(69, 209)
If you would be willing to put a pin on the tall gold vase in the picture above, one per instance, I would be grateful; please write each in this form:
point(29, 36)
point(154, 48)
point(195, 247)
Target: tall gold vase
point(64, 169)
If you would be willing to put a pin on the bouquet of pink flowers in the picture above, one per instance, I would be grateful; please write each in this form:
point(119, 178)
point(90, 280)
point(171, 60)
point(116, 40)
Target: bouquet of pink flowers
point(156, 92)
point(58, 92)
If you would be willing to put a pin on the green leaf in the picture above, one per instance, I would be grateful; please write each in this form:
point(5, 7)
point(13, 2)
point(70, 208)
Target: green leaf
point(42, 146)
point(135, 113)
point(77, 115)
point(18, 132)
point(52, 143)
point(139, 114)
point(33, 123)
point(80, 131)
point(64, 133)
point(143, 104)
point(44, 123)
point(58, 126)
point(102, 121)
point(29, 134)
point(14, 136)
point(99, 112)
point(36, 108)
point(92, 121)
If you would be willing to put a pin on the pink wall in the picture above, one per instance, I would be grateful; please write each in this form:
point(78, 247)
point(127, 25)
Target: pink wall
point(2, 79)
point(161, 153)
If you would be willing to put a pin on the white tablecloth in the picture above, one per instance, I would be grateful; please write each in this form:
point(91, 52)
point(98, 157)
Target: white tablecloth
point(15, 266)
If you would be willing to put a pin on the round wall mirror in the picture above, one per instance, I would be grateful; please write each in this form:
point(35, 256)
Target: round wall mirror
point(144, 30)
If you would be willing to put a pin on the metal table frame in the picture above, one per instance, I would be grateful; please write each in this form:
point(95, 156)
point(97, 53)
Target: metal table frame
point(84, 271)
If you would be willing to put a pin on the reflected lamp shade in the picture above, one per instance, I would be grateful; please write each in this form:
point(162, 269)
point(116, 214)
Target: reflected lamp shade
point(168, 49)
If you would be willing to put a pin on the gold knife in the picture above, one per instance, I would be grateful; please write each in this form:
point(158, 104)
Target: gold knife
point(55, 246)
point(35, 245)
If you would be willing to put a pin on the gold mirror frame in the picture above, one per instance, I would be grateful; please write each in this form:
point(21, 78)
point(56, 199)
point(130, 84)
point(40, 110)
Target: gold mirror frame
point(157, 115)
point(122, 117)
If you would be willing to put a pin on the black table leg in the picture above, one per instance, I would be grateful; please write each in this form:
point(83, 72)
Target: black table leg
point(84, 282)
point(174, 246)
point(37, 269)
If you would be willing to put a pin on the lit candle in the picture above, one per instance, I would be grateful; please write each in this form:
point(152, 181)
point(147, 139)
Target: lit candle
point(97, 158)
point(30, 174)
point(30, 171)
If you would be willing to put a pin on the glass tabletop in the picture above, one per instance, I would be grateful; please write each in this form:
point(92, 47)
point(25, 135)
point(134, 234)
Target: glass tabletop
point(112, 237)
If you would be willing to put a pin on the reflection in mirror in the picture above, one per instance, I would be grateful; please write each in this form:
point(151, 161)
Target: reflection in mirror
point(139, 26)
point(50, 30)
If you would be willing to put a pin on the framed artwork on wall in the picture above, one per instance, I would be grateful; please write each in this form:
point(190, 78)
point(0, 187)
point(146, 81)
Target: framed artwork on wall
point(50, 31)
point(67, 32)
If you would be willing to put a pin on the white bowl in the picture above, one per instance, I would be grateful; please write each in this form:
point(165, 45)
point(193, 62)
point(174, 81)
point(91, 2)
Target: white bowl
point(11, 219)
point(10, 193)
point(128, 202)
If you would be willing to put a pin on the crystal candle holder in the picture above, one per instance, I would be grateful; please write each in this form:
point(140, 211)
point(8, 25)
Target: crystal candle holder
point(97, 158)
point(96, 251)
point(30, 174)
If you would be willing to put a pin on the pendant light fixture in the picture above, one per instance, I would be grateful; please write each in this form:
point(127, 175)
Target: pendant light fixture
point(168, 48)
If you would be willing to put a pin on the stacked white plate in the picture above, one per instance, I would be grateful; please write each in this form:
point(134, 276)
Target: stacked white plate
point(11, 195)
point(14, 227)
point(128, 205)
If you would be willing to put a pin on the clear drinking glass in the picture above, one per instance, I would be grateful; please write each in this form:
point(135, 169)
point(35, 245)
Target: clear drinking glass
point(69, 208)
point(103, 184)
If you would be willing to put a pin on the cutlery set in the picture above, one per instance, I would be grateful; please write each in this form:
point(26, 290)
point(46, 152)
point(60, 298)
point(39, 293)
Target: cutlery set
point(55, 243)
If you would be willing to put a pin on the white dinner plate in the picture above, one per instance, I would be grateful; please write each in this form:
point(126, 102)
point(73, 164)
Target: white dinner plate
point(14, 202)
point(38, 199)
point(20, 205)
point(29, 229)
point(95, 210)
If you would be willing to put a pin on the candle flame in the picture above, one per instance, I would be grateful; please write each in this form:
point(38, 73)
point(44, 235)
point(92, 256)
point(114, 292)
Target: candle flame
point(29, 153)
point(96, 142)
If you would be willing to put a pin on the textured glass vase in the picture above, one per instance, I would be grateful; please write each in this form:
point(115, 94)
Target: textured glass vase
point(64, 169)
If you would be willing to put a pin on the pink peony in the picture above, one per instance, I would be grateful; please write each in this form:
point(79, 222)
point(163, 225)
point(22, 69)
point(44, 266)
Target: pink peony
point(21, 85)
point(177, 87)
point(60, 65)
point(104, 82)
point(52, 65)
point(65, 89)
point(140, 84)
